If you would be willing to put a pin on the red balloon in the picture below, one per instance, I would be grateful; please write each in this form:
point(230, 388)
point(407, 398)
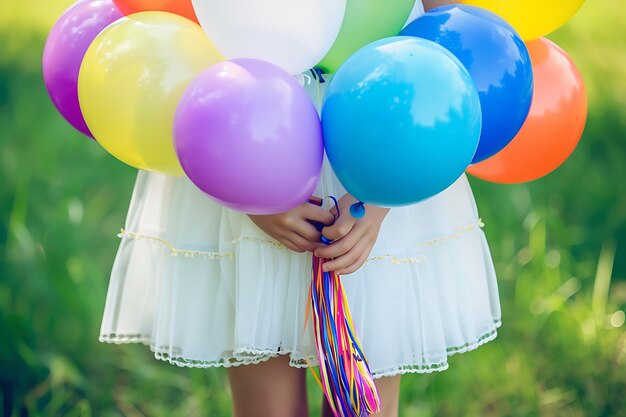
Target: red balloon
point(554, 126)
point(180, 7)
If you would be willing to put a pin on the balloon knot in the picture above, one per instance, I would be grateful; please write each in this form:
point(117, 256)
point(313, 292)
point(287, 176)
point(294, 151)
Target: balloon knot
point(318, 74)
point(358, 210)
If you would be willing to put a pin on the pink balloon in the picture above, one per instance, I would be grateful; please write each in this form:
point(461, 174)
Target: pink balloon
point(248, 135)
point(64, 52)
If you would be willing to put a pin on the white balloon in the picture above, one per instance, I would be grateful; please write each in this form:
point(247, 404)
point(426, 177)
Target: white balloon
point(293, 34)
point(417, 11)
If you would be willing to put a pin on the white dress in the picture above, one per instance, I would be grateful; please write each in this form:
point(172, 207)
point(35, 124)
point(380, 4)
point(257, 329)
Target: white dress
point(203, 286)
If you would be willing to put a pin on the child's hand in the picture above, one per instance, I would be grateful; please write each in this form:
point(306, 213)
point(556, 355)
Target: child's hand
point(353, 239)
point(293, 229)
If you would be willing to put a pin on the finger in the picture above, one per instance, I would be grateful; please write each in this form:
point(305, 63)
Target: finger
point(343, 225)
point(349, 258)
point(333, 211)
point(358, 263)
point(307, 230)
point(339, 247)
point(318, 214)
point(290, 245)
point(303, 244)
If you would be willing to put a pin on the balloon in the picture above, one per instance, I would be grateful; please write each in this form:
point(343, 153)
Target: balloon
point(64, 51)
point(496, 58)
point(130, 82)
point(532, 18)
point(401, 121)
point(293, 34)
point(365, 21)
point(554, 126)
point(180, 7)
point(248, 135)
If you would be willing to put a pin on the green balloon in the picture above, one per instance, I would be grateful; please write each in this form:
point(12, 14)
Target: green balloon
point(365, 21)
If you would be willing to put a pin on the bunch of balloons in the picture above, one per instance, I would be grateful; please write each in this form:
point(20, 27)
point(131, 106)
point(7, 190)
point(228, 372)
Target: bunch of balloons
point(206, 88)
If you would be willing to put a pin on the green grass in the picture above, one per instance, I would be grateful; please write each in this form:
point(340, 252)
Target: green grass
point(559, 246)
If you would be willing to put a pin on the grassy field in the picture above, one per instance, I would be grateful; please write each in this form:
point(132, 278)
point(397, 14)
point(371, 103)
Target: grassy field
point(559, 245)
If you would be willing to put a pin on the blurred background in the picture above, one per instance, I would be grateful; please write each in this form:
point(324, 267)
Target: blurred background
point(559, 245)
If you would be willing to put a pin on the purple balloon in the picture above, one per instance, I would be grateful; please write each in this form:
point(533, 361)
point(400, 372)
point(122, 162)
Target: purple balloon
point(248, 135)
point(65, 49)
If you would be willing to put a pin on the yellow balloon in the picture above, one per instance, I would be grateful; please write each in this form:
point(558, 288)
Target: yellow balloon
point(131, 80)
point(531, 18)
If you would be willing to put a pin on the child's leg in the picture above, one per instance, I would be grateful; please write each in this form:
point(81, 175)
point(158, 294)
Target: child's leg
point(389, 392)
point(269, 389)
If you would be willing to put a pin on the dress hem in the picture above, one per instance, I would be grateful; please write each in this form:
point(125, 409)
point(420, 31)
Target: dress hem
point(254, 356)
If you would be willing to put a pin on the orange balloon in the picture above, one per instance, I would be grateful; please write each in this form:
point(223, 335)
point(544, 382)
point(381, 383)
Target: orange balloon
point(180, 7)
point(554, 125)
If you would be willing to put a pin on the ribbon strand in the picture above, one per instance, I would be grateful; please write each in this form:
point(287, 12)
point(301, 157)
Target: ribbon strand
point(345, 376)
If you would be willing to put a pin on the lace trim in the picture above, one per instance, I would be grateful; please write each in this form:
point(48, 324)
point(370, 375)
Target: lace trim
point(442, 366)
point(176, 252)
point(120, 339)
point(270, 242)
point(230, 255)
point(241, 356)
point(253, 356)
point(399, 261)
point(395, 260)
point(459, 230)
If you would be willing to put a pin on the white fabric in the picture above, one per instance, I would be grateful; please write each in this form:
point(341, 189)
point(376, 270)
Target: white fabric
point(203, 286)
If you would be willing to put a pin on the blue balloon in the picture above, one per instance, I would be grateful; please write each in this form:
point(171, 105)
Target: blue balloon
point(401, 120)
point(498, 61)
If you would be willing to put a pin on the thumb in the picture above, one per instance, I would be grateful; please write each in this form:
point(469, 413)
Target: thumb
point(343, 225)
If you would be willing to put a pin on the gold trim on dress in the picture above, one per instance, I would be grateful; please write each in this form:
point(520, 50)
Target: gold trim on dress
point(271, 242)
point(176, 252)
point(466, 228)
point(395, 260)
point(230, 255)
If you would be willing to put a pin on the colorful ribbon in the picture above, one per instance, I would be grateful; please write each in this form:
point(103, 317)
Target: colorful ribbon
point(345, 376)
